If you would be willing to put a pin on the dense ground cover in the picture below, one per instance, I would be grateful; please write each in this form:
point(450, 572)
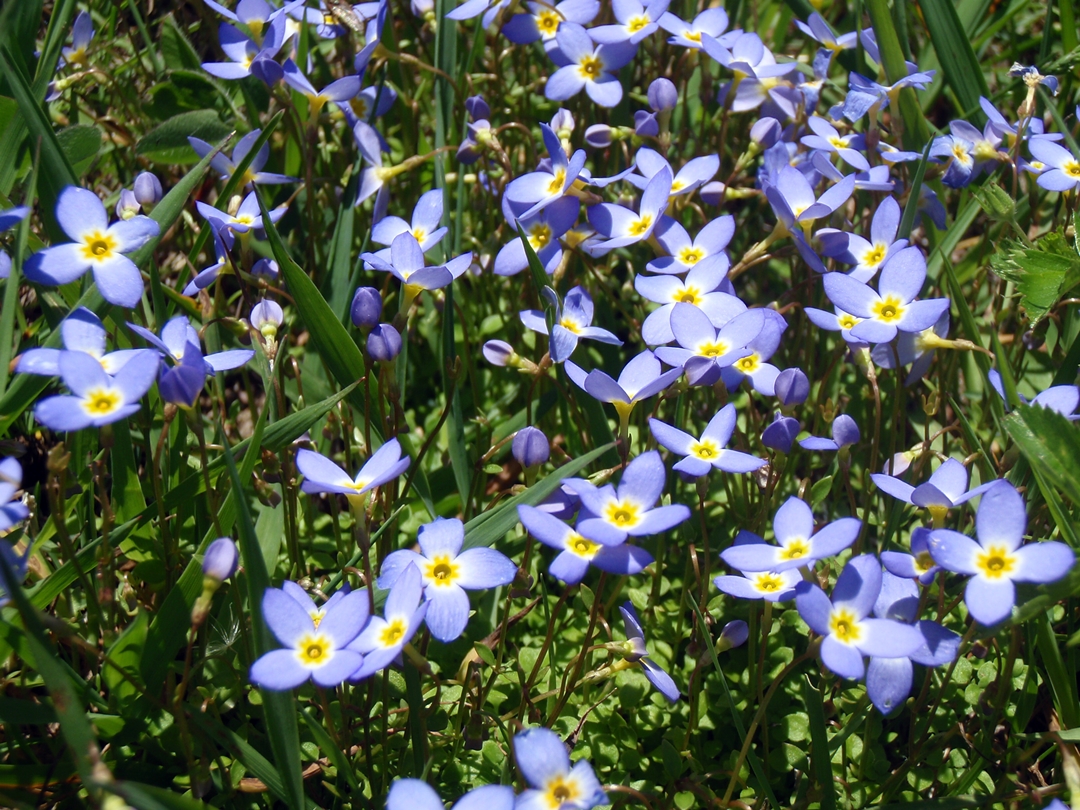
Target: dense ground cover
point(539, 406)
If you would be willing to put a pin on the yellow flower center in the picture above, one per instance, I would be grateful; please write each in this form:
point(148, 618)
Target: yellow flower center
point(101, 401)
point(718, 349)
point(924, 562)
point(591, 67)
point(748, 364)
point(693, 36)
point(848, 321)
point(1070, 167)
point(706, 450)
point(317, 617)
point(677, 185)
point(539, 235)
point(243, 219)
point(995, 562)
point(688, 295)
point(960, 153)
point(559, 791)
point(836, 142)
point(314, 650)
point(768, 583)
point(357, 485)
point(889, 309)
point(624, 515)
point(557, 182)
point(581, 547)
point(637, 23)
point(640, 226)
point(984, 150)
point(419, 234)
point(99, 247)
point(570, 324)
point(874, 255)
point(392, 633)
point(691, 255)
point(359, 106)
point(795, 549)
point(547, 22)
point(442, 571)
point(844, 626)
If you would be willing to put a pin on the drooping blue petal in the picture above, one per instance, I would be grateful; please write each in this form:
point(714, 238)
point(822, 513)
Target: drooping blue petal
point(278, 670)
point(888, 682)
point(843, 659)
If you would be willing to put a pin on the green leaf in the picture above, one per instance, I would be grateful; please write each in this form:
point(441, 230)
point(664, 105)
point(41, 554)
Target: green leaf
point(963, 73)
point(490, 526)
point(124, 656)
point(148, 797)
point(819, 740)
point(820, 490)
point(916, 132)
point(80, 145)
point(168, 141)
point(176, 49)
point(1042, 273)
point(1051, 445)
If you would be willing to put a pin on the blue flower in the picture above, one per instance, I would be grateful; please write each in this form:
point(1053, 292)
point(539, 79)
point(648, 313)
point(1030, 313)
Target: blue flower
point(407, 264)
point(635, 639)
point(711, 21)
point(543, 21)
point(618, 226)
point(701, 456)
point(384, 637)
point(845, 432)
point(997, 559)
point(583, 65)
point(323, 475)
point(80, 331)
point(315, 646)
point(97, 246)
point(889, 679)
point(227, 166)
point(447, 573)
point(796, 543)
point(919, 564)
point(609, 515)
point(947, 488)
point(531, 193)
point(248, 57)
point(543, 229)
point(684, 254)
point(772, 586)
point(572, 322)
point(96, 399)
point(578, 552)
point(704, 352)
point(844, 621)
point(1063, 399)
point(704, 287)
point(553, 783)
point(415, 794)
point(425, 225)
point(868, 255)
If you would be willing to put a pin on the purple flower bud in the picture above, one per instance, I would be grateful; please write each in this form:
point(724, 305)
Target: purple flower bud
point(735, 634)
point(127, 206)
point(265, 267)
point(645, 124)
point(147, 189)
point(766, 132)
point(221, 559)
point(598, 136)
point(792, 387)
point(477, 108)
point(530, 447)
point(845, 431)
point(780, 435)
point(563, 123)
point(663, 95)
point(384, 343)
point(498, 352)
point(366, 308)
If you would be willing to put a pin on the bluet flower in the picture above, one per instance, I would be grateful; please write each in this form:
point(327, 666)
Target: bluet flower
point(384, 637)
point(577, 552)
point(337, 91)
point(447, 573)
point(1063, 172)
point(868, 255)
point(796, 542)
point(704, 352)
point(711, 21)
point(1063, 399)
point(638, 654)
point(96, 246)
point(635, 22)
point(618, 226)
point(323, 475)
point(543, 20)
point(946, 489)
point(640, 379)
point(706, 249)
point(703, 288)
point(553, 783)
point(848, 632)
point(845, 432)
point(12, 511)
point(425, 225)
point(754, 366)
point(227, 166)
point(772, 586)
point(694, 174)
point(543, 229)
point(248, 216)
point(584, 65)
point(314, 647)
point(996, 559)
point(96, 399)
point(416, 794)
point(80, 331)
point(702, 455)
point(919, 564)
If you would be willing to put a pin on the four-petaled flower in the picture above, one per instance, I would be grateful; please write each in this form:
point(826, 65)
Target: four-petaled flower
point(553, 783)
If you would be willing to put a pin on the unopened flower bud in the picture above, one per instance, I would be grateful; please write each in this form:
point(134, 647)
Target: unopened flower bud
point(384, 343)
point(265, 267)
point(663, 95)
point(477, 108)
point(221, 559)
point(766, 132)
point(500, 353)
point(598, 136)
point(780, 435)
point(267, 317)
point(734, 634)
point(148, 190)
point(530, 447)
point(366, 308)
point(792, 387)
